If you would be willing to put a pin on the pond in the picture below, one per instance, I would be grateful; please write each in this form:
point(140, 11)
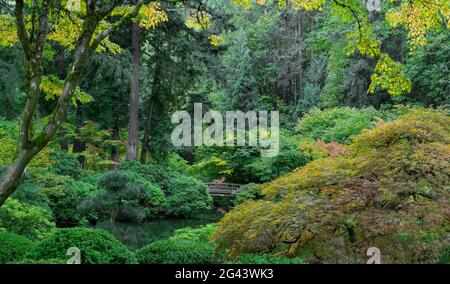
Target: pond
point(135, 236)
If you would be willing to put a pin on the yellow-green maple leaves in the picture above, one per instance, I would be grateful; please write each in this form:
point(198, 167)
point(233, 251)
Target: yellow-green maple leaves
point(389, 76)
point(8, 34)
point(201, 20)
point(67, 24)
point(151, 15)
point(52, 87)
point(418, 17)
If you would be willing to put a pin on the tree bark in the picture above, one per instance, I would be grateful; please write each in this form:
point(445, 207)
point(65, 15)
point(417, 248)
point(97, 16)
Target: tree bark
point(64, 143)
point(11, 178)
point(115, 155)
point(133, 125)
point(148, 127)
point(154, 96)
point(33, 46)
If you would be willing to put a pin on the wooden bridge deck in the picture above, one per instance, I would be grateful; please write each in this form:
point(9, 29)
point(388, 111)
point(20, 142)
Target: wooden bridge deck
point(222, 189)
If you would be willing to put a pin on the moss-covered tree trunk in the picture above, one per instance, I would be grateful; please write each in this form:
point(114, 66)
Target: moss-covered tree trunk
point(33, 42)
point(133, 126)
point(30, 145)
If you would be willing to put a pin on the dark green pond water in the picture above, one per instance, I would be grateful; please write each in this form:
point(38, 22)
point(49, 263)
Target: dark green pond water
point(136, 236)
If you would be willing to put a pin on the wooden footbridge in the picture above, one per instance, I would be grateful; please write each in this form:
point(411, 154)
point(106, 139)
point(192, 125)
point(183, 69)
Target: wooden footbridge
point(222, 189)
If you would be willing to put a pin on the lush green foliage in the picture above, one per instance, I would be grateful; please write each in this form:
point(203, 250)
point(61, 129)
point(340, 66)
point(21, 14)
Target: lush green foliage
point(96, 246)
point(245, 164)
point(124, 198)
point(65, 164)
point(187, 246)
point(355, 168)
point(14, 248)
point(152, 173)
point(62, 194)
point(24, 219)
point(187, 197)
point(336, 124)
point(390, 192)
point(246, 192)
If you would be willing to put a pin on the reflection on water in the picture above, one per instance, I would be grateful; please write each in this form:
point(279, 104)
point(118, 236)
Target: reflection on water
point(138, 235)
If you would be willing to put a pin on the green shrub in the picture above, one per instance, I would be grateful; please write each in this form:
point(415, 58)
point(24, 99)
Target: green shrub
point(200, 234)
point(187, 246)
point(336, 124)
point(290, 157)
point(65, 164)
point(63, 194)
point(25, 219)
point(188, 197)
point(150, 172)
point(265, 259)
point(13, 248)
point(445, 257)
point(96, 246)
point(41, 261)
point(169, 252)
point(124, 198)
point(31, 193)
point(156, 195)
point(178, 165)
point(251, 191)
point(245, 164)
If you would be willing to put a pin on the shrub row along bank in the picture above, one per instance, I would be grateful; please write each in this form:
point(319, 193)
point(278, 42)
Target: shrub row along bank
point(127, 195)
point(187, 246)
point(390, 191)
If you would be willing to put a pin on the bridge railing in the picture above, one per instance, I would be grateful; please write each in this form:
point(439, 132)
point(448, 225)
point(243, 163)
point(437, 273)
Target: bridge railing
point(222, 189)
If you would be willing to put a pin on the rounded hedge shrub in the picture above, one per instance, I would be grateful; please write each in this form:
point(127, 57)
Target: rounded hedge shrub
point(65, 164)
point(124, 197)
point(13, 248)
point(96, 246)
point(31, 193)
point(41, 261)
point(188, 197)
point(65, 194)
point(25, 219)
point(170, 252)
point(150, 172)
point(187, 246)
point(62, 194)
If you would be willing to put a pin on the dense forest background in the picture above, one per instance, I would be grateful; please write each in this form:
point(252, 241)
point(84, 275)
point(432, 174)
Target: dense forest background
point(363, 96)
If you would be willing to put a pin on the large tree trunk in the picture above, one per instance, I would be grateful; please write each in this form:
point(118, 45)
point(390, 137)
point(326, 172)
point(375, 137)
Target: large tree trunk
point(11, 178)
point(133, 125)
point(115, 155)
point(154, 96)
point(30, 145)
point(64, 143)
point(148, 128)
